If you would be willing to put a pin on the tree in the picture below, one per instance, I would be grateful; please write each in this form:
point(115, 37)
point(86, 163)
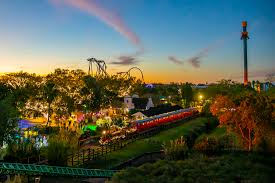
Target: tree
point(250, 118)
point(50, 93)
point(187, 94)
point(93, 94)
point(118, 121)
point(69, 84)
point(8, 120)
point(4, 90)
point(24, 87)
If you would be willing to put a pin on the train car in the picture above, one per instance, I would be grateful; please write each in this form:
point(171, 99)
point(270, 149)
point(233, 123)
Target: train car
point(157, 120)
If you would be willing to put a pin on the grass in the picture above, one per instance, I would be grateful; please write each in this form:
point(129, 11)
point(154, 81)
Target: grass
point(216, 133)
point(148, 144)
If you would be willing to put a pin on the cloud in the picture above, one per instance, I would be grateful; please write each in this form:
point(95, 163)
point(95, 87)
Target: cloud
point(129, 59)
point(195, 61)
point(125, 60)
point(175, 60)
point(110, 18)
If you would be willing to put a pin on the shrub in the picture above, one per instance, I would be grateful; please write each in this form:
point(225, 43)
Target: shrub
point(60, 146)
point(266, 144)
point(206, 110)
point(211, 145)
point(194, 133)
point(239, 168)
point(176, 149)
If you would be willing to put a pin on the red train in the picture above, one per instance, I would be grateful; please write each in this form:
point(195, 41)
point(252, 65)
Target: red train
point(153, 121)
point(157, 120)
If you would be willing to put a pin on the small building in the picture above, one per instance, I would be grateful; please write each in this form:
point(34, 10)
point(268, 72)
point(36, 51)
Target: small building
point(134, 102)
point(155, 111)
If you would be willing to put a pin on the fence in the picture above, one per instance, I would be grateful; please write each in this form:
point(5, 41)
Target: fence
point(84, 155)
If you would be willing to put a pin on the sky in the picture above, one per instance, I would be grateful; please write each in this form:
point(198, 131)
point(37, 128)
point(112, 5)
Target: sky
point(169, 40)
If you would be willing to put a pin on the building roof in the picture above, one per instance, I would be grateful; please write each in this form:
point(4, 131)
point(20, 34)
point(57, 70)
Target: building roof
point(140, 103)
point(160, 110)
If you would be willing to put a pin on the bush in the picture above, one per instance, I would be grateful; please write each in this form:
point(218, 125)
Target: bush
point(266, 144)
point(60, 146)
point(206, 110)
point(17, 151)
point(239, 168)
point(211, 145)
point(194, 133)
point(176, 149)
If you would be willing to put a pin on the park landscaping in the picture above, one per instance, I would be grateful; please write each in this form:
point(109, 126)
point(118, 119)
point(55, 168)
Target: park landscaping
point(199, 168)
point(150, 144)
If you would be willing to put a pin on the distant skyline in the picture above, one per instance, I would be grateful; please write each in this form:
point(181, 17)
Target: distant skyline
point(170, 40)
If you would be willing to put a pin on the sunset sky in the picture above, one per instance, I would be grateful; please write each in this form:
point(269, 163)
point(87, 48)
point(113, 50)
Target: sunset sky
point(170, 40)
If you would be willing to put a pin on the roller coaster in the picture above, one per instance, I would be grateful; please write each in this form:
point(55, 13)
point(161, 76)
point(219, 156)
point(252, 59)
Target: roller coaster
point(127, 74)
point(99, 64)
point(101, 69)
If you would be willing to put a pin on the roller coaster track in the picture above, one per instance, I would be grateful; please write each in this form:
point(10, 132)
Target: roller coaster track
point(31, 169)
point(127, 74)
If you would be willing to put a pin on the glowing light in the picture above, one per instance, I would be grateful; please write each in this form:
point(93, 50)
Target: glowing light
point(104, 132)
point(200, 97)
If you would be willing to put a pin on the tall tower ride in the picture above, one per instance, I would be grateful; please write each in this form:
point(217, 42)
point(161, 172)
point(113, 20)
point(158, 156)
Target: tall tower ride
point(244, 38)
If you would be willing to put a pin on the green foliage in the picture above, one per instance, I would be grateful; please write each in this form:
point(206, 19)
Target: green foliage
point(5, 90)
point(60, 146)
point(228, 88)
point(206, 110)
point(175, 149)
point(8, 120)
point(18, 150)
point(238, 168)
point(118, 122)
point(50, 93)
point(267, 142)
point(214, 144)
point(187, 94)
point(194, 133)
point(92, 93)
point(103, 123)
point(271, 93)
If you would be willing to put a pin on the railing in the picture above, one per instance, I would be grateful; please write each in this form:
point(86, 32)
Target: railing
point(84, 155)
point(30, 169)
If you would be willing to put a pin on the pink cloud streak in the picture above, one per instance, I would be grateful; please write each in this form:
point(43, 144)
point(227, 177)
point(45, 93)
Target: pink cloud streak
point(108, 17)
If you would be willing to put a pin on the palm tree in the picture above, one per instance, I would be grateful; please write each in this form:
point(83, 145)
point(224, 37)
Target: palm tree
point(50, 93)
